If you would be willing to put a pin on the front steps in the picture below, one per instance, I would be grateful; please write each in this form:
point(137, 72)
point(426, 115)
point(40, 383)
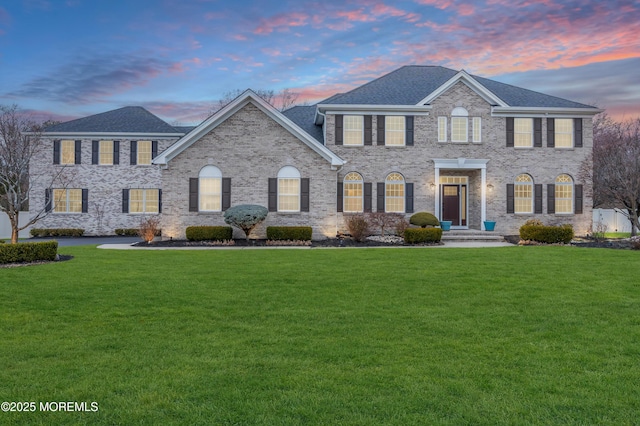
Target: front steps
point(471, 235)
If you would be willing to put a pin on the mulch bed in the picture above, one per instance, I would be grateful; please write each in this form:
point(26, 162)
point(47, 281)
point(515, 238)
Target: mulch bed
point(330, 242)
point(61, 258)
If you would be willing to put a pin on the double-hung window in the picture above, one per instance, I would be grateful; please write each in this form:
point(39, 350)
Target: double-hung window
point(394, 193)
point(67, 200)
point(288, 189)
point(523, 194)
point(353, 193)
point(564, 194)
point(106, 153)
point(523, 132)
point(210, 189)
point(144, 152)
point(67, 152)
point(353, 130)
point(564, 133)
point(459, 125)
point(394, 130)
point(144, 201)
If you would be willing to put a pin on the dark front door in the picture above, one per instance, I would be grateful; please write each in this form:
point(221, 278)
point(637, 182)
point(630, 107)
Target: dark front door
point(451, 204)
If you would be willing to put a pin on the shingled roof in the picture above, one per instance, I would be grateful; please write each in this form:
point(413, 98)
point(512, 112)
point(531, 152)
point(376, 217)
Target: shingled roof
point(131, 119)
point(412, 83)
point(304, 116)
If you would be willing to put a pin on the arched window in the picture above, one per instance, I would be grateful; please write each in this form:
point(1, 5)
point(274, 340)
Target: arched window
point(210, 189)
point(288, 189)
point(353, 194)
point(394, 193)
point(459, 125)
point(564, 194)
point(523, 194)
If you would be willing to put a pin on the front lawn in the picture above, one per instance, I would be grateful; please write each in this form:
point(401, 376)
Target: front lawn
point(514, 335)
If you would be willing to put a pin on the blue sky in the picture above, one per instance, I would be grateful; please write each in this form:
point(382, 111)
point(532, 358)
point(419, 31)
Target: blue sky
point(65, 59)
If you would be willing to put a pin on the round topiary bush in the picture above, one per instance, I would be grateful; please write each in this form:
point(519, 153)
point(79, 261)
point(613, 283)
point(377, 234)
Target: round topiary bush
point(245, 217)
point(424, 219)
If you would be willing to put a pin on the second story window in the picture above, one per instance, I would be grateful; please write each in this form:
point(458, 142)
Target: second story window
point(106, 152)
point(523, 132)
point(353, 130)
point(459, 125)
point(67, 152)
point(564, 132)
point(394, 130)
point(144, 152)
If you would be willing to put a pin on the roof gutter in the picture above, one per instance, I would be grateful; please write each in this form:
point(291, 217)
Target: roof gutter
point(498, 111)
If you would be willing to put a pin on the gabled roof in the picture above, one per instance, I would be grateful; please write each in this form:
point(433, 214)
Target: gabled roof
point(127, 120)
point(229, 110)
point(413, 84)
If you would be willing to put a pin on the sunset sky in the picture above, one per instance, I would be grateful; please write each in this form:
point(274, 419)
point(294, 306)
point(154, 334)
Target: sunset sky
point(64, 59)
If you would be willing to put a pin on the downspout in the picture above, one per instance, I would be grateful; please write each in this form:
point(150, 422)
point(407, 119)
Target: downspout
point(336, 204)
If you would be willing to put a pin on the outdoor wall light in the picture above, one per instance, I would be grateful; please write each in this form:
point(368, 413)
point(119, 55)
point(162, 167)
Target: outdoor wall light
point(432, 186)
point(489, 187)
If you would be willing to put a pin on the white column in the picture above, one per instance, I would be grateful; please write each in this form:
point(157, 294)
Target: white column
point(483, 207)
point(437, 195)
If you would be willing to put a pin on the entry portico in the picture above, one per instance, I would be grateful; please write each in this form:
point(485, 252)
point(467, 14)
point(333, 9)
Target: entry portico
point(446, 193)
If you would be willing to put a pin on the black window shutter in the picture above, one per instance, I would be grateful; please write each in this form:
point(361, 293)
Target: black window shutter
point(338, 128)
point(133, 157)
point(273, 194)
point(380, 197)
point(537, 132)
point(339, 201)
point(368, 131)
point(367, 197)
point(551, 132)
point(47, 200)
point(381, 129)
point(408, 206)
point(226, 193)
point(304, 194)
point(408, 121)
point(95, 151)
point(577, 132)
point(193, 194)
point(510, 198)
point(85, 201)
point(510, 127)
point(577, 205)
point(56, 152)
point(551, 198)
point(159, 200)
point(154, 149)
point(116, 152)
point(125, 201)
point(78, 152)
point(537, 190)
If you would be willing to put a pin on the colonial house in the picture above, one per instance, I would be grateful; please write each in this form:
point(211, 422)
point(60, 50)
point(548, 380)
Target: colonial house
point(421, 138)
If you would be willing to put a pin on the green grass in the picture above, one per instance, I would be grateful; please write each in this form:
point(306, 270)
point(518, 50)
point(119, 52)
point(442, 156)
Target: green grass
point(617, 234)
point(514, 335)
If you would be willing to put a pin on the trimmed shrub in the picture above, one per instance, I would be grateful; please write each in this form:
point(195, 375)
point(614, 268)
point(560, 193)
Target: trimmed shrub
point(547, 234)
point(245, 217)
point(357, 226)
point(292, 233)
point(57, 232)
point(28, 252)
point(424, 219)
point(127, 232)
point(209, 233)
point(422, 235)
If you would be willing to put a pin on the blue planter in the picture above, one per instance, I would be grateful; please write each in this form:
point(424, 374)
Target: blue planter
point(445, 225)
point(489, 225)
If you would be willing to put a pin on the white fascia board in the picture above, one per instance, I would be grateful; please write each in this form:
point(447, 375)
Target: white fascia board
point(218, 118)
point(360, 109)
point(544, 112)
point(460, 163)
point(472, 83)
point(112, 135)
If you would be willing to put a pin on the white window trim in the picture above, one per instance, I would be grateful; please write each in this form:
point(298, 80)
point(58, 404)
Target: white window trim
point(100, 144)
point(210, 172)
point(531, 199)
point(144, 200)
point(65, 201)
point(71, 143)
point(344, 131)
point(515, 133)
point(404, 193)
point(477, 126)
point(289, 173)
point(387, 131)
point(571, 134)
point(466, 130)
point(571, 198)
point(344, 193)
point(442, 125)
point(138, 153)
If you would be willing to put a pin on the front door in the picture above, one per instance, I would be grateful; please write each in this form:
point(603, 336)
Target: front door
point(454, 206)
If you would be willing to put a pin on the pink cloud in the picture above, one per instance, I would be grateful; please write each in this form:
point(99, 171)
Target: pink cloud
point(281, 22)
point(355, 16)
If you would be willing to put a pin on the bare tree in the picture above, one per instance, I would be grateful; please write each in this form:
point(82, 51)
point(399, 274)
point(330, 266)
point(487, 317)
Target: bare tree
point(20, 141)
point(614, 167)
point(282, 100)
